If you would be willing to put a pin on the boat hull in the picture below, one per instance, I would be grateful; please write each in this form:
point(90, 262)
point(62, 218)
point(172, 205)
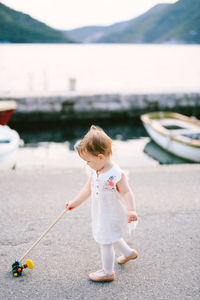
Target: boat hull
point(5, 116)
point(174, 147)
point(175, 140)
point(9, 144)
point(6, 111)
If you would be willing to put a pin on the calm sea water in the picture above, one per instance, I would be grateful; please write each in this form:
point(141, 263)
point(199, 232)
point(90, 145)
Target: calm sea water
point(47, 68)
point(131, 143)
point(73, 131)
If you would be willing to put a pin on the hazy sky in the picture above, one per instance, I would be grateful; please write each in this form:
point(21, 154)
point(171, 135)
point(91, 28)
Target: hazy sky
point(68, 14)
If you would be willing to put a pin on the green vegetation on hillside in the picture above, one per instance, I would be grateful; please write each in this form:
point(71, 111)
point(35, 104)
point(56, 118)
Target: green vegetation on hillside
point(176, 23)
point(164, 23)
point(16, 27)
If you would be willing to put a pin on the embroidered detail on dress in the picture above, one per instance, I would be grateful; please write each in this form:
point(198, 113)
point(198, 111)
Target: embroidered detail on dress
point(108, 185)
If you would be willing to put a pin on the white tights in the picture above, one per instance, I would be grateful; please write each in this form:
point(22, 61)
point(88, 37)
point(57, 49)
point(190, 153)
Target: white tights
point(108, 254)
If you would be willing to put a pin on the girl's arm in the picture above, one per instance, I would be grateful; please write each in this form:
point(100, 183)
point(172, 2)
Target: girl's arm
point(125, 191)
point(83, 195)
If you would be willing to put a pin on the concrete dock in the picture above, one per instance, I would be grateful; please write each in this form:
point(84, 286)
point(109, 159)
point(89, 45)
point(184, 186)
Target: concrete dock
point(93, 106)
point(167, 236)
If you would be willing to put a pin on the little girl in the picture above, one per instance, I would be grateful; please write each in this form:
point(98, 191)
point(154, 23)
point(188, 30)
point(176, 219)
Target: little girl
point(112, 202)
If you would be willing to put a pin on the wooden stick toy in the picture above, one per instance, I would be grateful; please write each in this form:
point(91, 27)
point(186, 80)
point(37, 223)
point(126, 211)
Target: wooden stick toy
point(17, 267)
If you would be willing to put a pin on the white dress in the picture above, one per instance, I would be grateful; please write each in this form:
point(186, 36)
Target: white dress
point(108, 209)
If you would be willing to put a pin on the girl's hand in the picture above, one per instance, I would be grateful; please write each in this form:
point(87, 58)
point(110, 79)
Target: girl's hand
point(69, 205)
point(132, 216)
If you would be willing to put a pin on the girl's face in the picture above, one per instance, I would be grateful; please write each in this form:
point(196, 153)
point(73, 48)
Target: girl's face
point(93, 161)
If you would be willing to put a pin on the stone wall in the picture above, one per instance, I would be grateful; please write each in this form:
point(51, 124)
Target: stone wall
point(74, 106)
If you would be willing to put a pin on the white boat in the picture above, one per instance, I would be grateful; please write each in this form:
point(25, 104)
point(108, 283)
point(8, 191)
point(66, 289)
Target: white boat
point(9, 144)
point(9, 138)
point(176, 133)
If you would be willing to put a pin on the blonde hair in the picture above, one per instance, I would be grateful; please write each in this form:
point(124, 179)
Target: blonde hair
point(96, 141)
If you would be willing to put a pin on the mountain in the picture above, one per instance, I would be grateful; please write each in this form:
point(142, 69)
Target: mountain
point(95, 34)
point(16, 27)
point(86, 34)
point(90, 34)
point(164, 23)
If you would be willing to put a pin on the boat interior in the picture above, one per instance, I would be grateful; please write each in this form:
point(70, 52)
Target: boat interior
point(180, 127)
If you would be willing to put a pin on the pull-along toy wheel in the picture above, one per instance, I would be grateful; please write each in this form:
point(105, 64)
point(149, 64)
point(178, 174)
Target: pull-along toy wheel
point(17, 267)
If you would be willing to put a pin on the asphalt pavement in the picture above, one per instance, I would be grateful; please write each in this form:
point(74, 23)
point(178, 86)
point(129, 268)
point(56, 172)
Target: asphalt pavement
point(167, 236)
